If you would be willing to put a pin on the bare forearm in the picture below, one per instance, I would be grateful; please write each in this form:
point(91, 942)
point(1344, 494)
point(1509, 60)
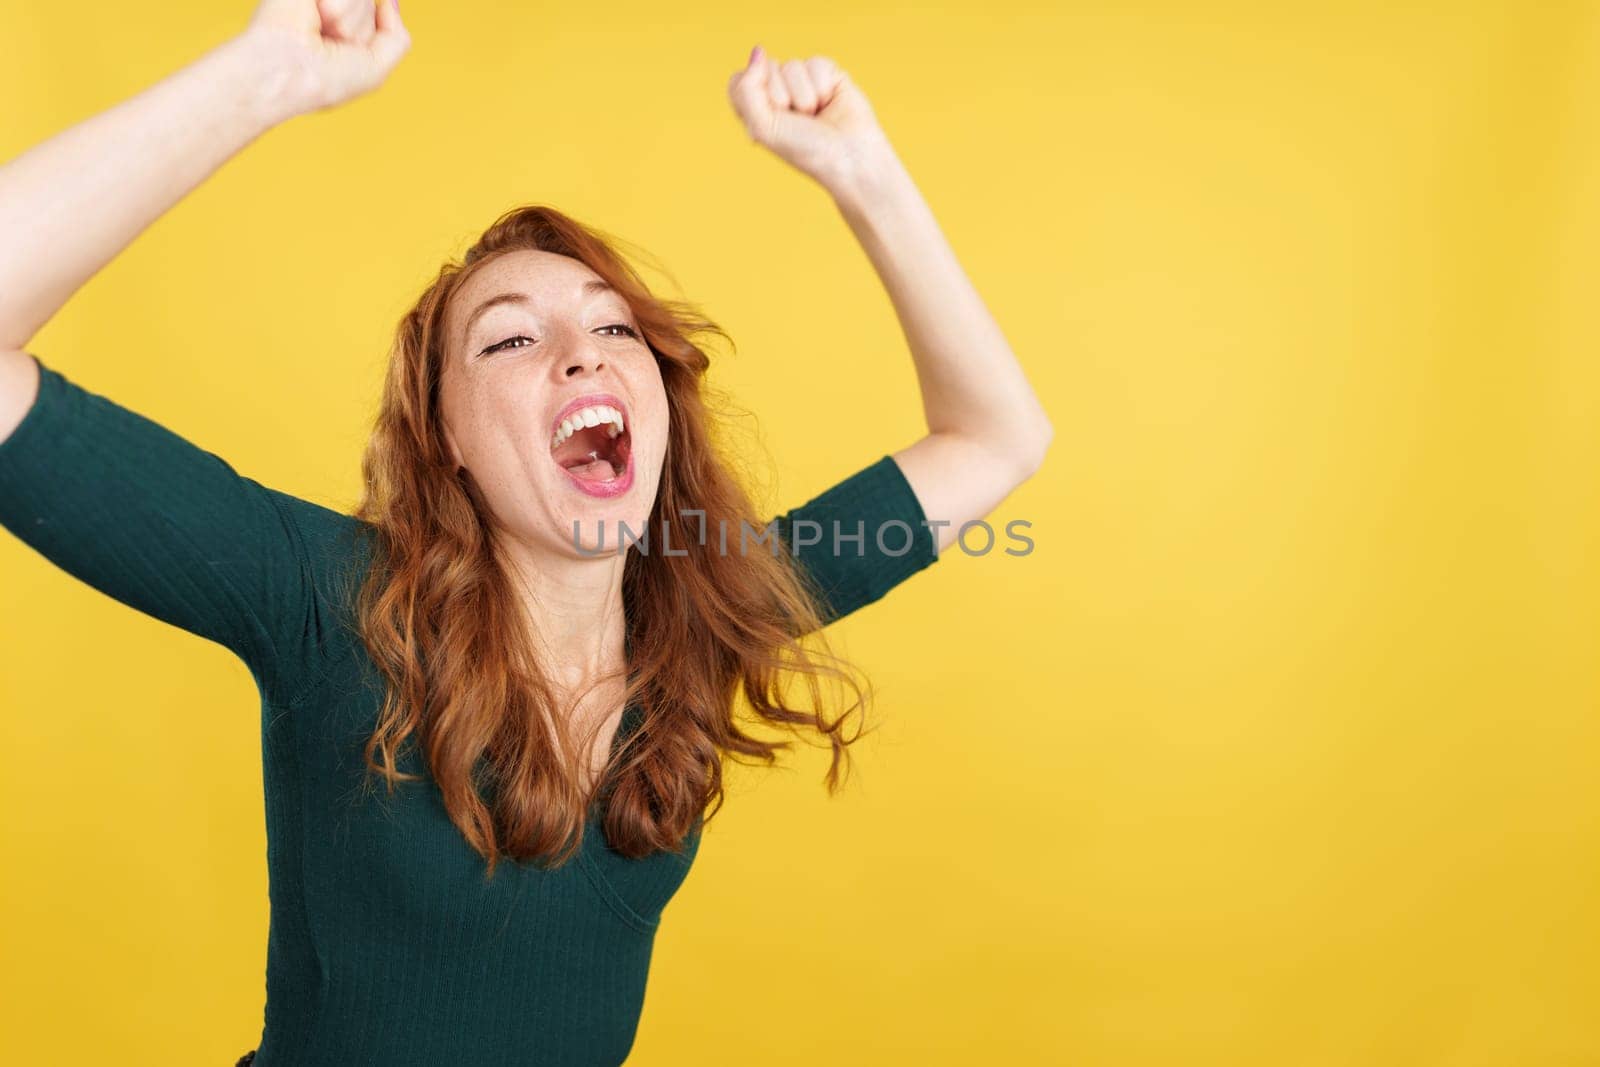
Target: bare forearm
point(972, 385)
point(71, 203)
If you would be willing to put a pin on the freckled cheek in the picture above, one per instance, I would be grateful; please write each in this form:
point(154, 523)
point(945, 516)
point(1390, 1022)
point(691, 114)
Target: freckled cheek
point(652, 421)
point(502, 435)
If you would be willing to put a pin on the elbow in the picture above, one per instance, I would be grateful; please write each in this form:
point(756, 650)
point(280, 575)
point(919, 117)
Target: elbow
point(1017, 454)
point(1031, 448)
point(1007, 455)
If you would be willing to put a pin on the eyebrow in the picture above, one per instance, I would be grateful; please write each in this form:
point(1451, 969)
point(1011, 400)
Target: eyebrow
point(593, 285)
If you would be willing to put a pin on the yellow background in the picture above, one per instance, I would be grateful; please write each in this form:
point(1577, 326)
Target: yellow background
point(1282, 746)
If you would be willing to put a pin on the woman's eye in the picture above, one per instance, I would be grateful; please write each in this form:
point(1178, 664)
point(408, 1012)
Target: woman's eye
point(498, 345)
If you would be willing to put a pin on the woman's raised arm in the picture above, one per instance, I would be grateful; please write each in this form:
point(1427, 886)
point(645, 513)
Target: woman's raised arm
point(70, 204)
point(116, 499)
point(987, 432)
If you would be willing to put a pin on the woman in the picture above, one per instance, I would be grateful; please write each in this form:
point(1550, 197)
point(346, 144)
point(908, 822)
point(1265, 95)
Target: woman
point(530, 630)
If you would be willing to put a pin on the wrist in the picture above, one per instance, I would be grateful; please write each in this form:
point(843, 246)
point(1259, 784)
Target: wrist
point(263, 70)
point(871, 175)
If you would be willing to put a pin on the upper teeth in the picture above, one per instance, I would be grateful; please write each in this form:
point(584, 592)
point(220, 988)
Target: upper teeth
point(590, 416)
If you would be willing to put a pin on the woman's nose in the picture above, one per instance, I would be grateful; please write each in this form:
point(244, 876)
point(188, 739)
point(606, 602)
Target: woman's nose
point(584, 356)
point(579, 365)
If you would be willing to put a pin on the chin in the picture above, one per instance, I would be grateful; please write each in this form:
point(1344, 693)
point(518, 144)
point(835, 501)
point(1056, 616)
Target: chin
point(601, 505)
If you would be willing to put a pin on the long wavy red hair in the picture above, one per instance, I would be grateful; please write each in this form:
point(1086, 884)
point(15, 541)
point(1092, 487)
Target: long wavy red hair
point(437, 613)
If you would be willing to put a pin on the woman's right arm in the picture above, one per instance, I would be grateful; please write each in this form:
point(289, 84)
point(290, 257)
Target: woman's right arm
point(70, 204)
point(117, 500)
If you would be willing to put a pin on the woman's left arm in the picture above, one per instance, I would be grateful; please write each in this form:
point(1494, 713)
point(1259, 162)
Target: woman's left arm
point(987, 432)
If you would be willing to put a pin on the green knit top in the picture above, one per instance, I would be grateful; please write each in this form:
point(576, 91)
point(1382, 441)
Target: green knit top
point(386, 945)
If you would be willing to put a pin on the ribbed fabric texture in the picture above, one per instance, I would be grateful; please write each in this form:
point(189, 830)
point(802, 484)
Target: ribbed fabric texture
point(386, 945)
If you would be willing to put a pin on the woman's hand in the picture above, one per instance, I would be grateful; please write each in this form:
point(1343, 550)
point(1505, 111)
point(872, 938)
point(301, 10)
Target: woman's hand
point(328, 51)
point(811, 115)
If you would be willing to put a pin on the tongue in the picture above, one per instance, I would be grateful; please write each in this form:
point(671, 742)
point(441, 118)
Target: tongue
point(595, 470)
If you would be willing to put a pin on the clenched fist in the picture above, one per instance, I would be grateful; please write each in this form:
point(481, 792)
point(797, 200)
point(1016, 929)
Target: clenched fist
point(329, 51)
point(810, 114)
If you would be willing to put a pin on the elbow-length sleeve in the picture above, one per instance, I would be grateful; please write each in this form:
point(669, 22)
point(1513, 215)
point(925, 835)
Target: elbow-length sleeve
point(860, 538)
point(167, 528)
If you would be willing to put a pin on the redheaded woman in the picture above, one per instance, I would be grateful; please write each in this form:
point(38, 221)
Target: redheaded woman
point(495, 699)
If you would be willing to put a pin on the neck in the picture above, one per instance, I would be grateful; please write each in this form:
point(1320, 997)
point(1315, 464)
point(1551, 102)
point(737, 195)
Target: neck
point(574, 611)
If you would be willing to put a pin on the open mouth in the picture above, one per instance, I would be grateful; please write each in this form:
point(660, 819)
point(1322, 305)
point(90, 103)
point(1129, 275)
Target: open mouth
point(593, 444)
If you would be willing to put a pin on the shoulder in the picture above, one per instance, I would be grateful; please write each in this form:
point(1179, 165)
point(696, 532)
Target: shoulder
point(337, 548)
